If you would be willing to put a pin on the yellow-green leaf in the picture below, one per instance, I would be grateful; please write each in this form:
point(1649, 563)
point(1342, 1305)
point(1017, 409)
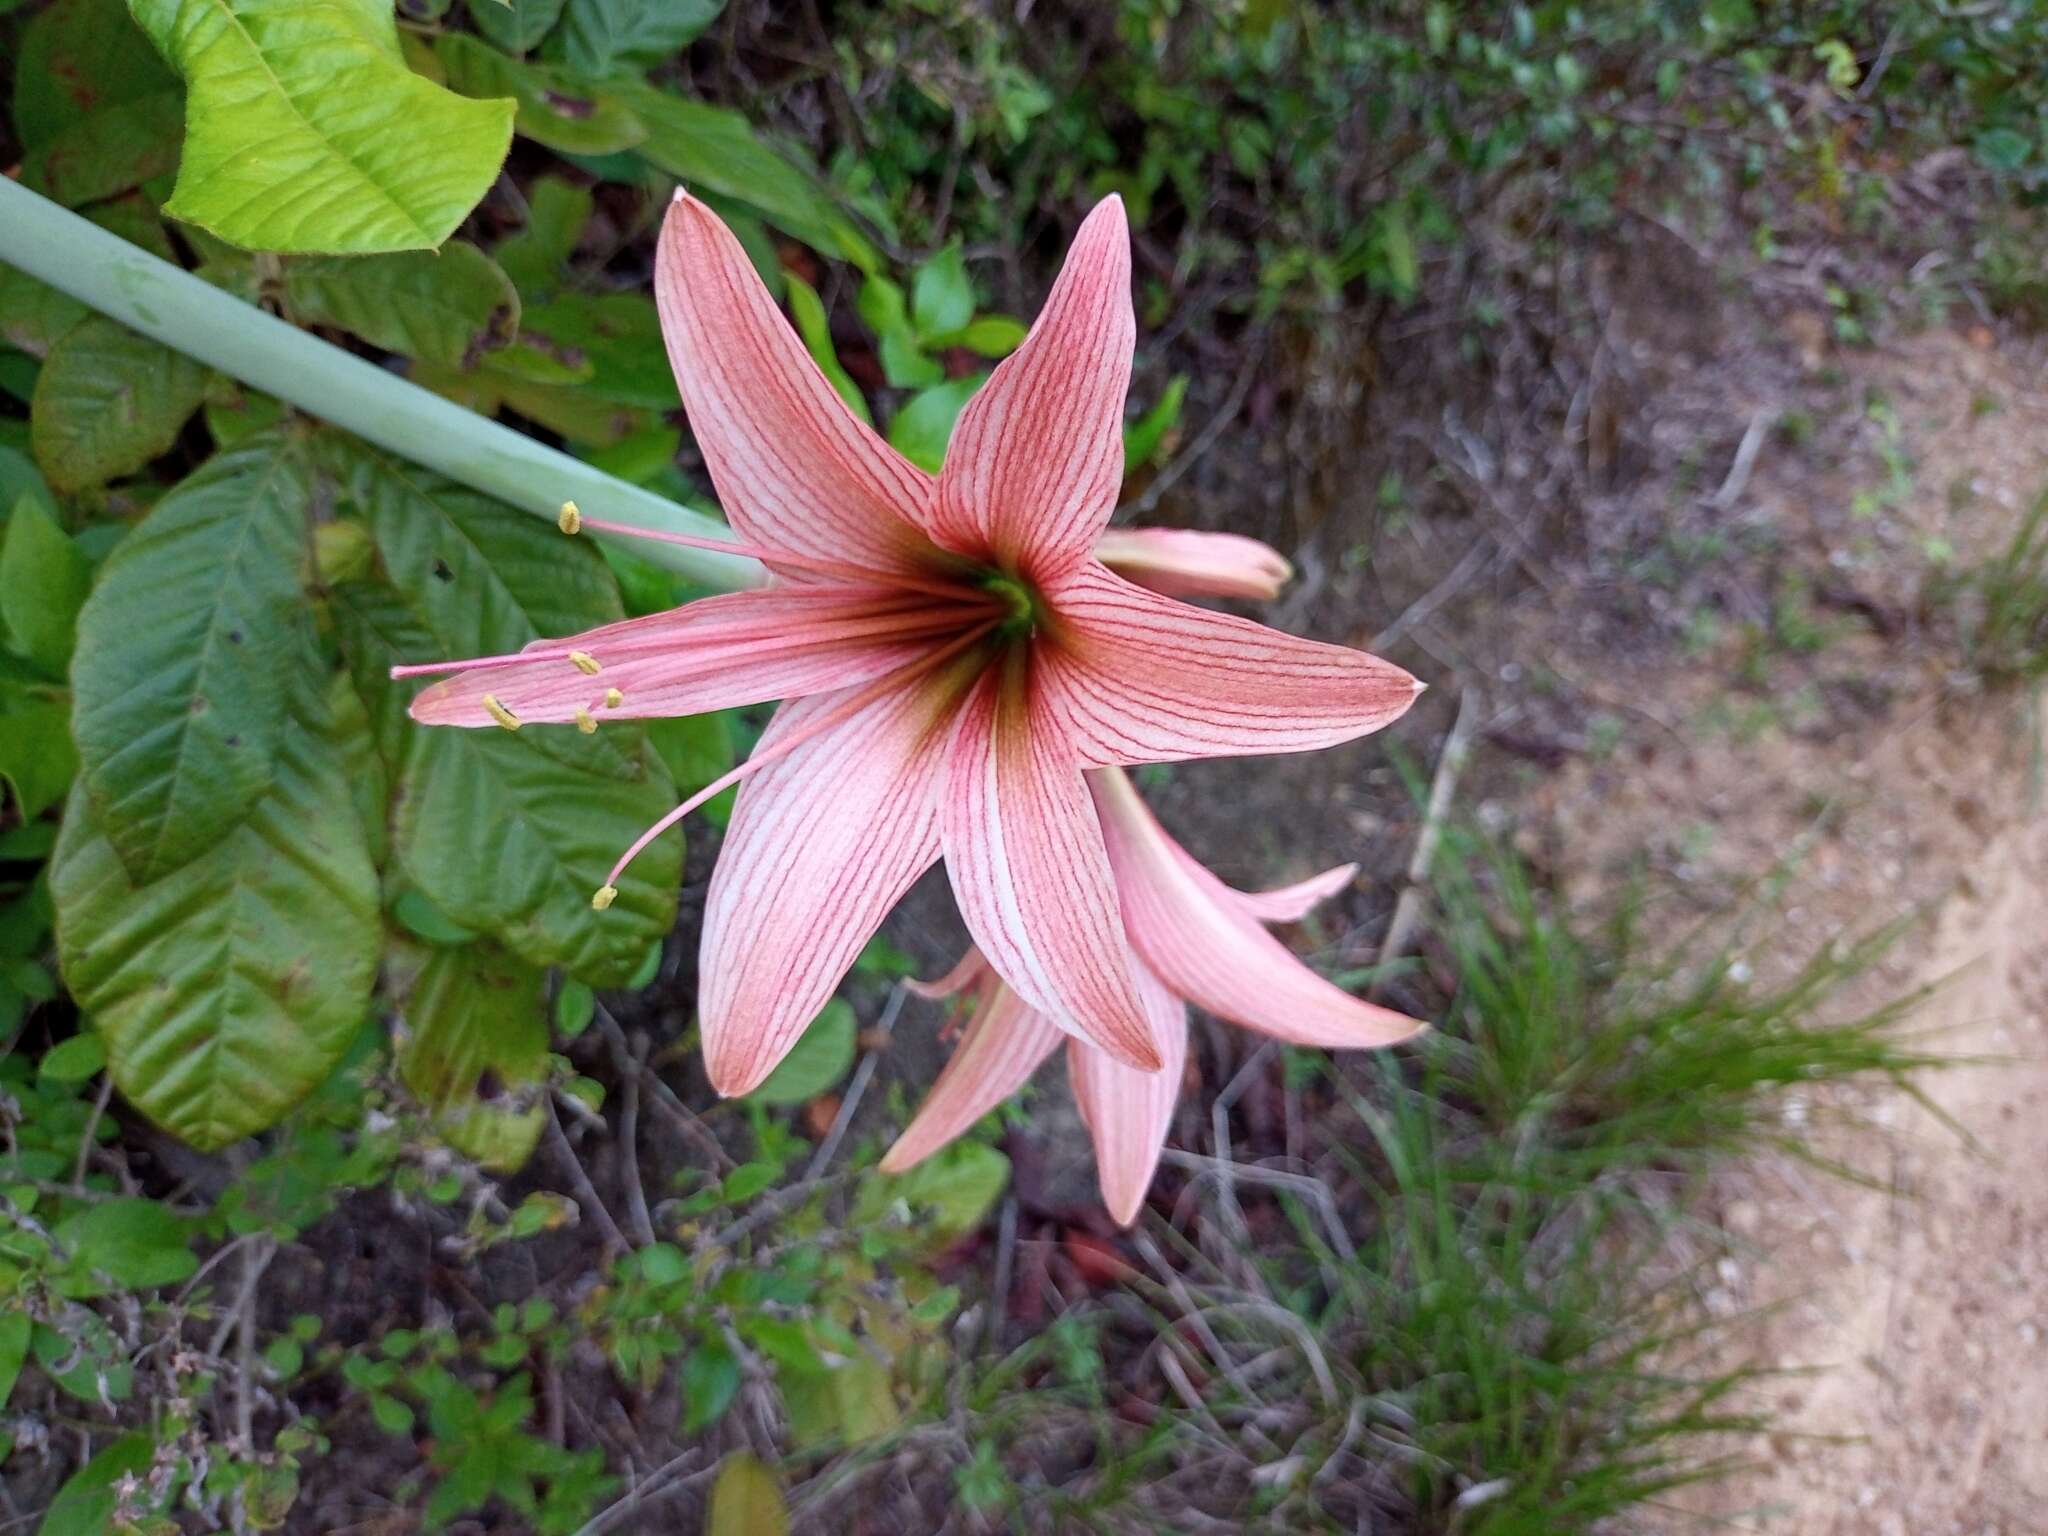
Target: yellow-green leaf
point(305, 131)
point(746, 1500)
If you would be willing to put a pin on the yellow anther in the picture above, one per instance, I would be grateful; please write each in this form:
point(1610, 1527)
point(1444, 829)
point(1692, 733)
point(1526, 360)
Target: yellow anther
point(585, 721)
point(606, 895)
point(500, 713)
point(585, 662)
point(613, 698)
point(571, 521)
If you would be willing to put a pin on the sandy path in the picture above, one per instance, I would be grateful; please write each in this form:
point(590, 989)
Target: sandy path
point(1914, 1311)
point(1921, 1306)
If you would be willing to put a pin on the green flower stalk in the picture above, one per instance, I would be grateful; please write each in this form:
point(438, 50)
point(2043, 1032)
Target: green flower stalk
point(190, 315)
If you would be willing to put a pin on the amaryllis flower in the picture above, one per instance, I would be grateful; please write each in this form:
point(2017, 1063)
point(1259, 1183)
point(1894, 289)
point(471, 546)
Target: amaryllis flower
point(1194, 940)
point(951, 652)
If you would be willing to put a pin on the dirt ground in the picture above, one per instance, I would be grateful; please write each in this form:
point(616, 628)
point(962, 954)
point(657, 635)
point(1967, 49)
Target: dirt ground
point(1908, 1316)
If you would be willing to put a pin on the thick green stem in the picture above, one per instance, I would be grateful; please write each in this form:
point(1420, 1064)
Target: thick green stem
point(192, 316)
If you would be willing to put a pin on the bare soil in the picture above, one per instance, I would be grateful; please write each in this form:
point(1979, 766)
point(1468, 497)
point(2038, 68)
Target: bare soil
point(1904, 1317)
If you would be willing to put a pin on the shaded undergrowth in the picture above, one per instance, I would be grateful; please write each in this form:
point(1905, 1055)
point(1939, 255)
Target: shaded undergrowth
point(1460, 1308)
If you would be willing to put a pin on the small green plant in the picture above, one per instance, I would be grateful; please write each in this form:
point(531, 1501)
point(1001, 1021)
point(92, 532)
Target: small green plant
point(2002, 604)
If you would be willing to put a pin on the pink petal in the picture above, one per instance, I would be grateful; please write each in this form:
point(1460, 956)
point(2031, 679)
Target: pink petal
point(1142, 678)
point(1026, 859)
point(794, 468)
point(1194, 931)
point(1129, 1113)
point(715, 653)
point(1291, 903)
point(1182, 562)
point(1004, 1044)
point(822, 844)
point(1037, 458)
point(969, 972)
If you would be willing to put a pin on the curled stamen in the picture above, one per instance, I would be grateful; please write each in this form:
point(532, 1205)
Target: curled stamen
point(585, 663)
point(571, 520)
point(500, 713)
point(585, 721)
point(738, 636)
point(797, 738)
point(842, 569)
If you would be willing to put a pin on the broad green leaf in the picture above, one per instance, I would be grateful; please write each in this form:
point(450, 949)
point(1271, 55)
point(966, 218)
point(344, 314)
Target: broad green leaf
point(746, 1500)
point(904, 363)
point(1143, 437)
point(107, 402)
point(43, 582)
point(134, 218)
point(537, 258)
point(19, 477)
point(86, 1360)
point(306, 132)
point(135, 1244)
point(85, 1505)
point(711, 149)
point(517, 26)
point(447, 306)
point(81, 1057)
point(14, 1332)
point(948, 1194)
point(844, 1404)
point(227, 990)
point(598, 36)
point(991, 336)
point(115, 149)
point(33, 315)
point(817, 1062)
point(618, 335)
point(557, 108)
point(17, 378)
point(79, 57)
point(476, 1051)
point(423, 920)
point(942, 294)
point(698, 749)
point(37, 759)
point(235, 413)
point(2003, 149)
point(187, 652)
point(921, 430)
point(710, 1378)
point(507, 833)
point(807, 310)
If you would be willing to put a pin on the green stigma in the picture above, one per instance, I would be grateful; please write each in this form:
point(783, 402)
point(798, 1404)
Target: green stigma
point(1022, 603)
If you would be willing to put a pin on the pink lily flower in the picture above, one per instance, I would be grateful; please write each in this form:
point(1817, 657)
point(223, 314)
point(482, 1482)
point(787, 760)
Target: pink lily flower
point(951, 654)
point(1193, 940)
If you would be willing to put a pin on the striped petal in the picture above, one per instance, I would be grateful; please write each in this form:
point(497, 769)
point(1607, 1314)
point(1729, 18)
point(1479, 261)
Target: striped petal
point(715, 653)
point(1025, 855)
point(1195, 932)
point(1182, 562)
point(794, 468)
point(1291, 903)
point(823, 842)
point(1036, 460)
point(1129, 1113)
point(970, 971)
point(1142, 678)
point(1004, 1044)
